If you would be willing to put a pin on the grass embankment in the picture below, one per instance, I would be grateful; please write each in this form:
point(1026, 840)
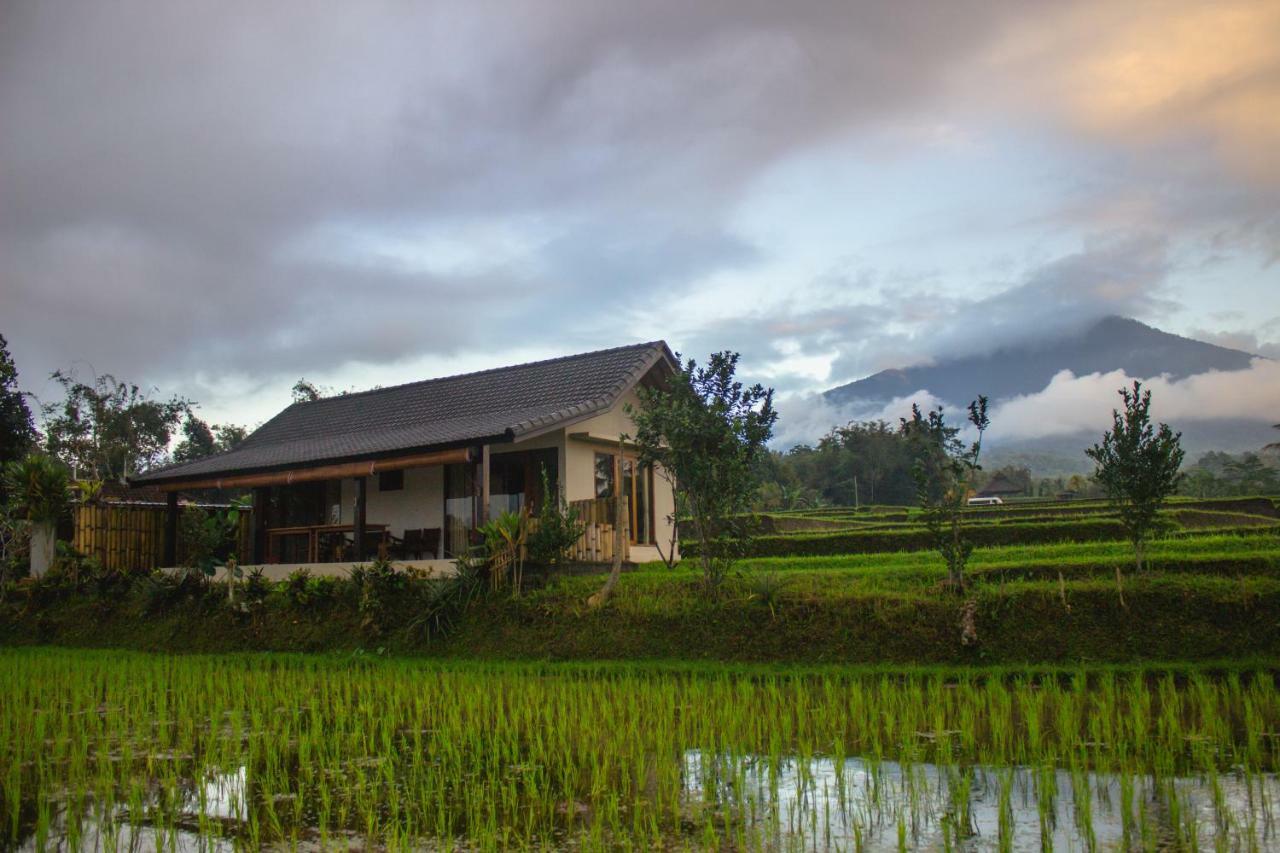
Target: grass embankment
point(132, 751)
point(1206, 597)
point(886, 529)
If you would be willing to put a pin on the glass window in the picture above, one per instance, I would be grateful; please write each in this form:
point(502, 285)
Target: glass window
point(540, 461)
point(459, 507)
point(604, 475)
point(506, 483)
point(637, 484)
point(391, 481)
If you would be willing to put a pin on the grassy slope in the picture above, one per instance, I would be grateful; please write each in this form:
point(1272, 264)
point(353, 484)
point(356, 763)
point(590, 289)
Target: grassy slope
point(1205, 598)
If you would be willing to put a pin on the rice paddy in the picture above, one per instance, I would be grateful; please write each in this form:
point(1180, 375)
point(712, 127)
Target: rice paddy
point(109, 750)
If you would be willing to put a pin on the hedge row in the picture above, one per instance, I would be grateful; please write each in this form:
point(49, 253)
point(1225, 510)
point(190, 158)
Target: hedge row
point(1169, 619)
point(918, 539)
point(1163, 618)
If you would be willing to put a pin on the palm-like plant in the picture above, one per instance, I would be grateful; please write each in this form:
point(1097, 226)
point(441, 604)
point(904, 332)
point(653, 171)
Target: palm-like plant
point(37, 489)
point(505, 538)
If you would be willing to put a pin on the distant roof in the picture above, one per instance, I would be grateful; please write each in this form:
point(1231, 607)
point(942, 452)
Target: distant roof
point(1000, 485)
point(503, 404)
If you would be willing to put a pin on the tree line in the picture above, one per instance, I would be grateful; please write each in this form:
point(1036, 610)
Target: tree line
point(869, 462)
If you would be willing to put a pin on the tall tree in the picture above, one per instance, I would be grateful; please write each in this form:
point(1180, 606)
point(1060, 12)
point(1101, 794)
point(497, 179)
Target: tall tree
point(201, 440)
point(107, 429)
point(1138, 467)
point(17, 431)
point(197, 440)
point(944, 472)
point(709, 432)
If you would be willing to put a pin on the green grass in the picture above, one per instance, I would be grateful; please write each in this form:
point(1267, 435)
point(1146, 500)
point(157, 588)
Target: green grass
point(1202, 597)
point(120, 750)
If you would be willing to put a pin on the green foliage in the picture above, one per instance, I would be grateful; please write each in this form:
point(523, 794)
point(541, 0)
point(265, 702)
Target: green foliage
point(17, 431)
point(918, 538)
point(1218, 474)
point(209, 537)
point(504, 541)
point(1138, 466)
point(107, 429)
point(379, 585)
point(709, 433)
point(307, 392)
point(557, 528)
point(767, 588)
point(201, 440)
point(37, 488)
point(944, 471)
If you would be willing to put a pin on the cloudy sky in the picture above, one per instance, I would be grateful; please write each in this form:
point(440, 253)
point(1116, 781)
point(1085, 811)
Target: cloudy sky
point(217, 198)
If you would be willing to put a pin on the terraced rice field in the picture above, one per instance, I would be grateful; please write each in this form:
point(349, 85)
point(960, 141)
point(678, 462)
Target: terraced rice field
point(109, 750)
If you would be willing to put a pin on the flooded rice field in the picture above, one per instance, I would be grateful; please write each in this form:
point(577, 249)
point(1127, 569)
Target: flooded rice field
point(114, 751)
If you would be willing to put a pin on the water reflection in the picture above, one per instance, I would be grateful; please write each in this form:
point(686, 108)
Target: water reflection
point(821, 803)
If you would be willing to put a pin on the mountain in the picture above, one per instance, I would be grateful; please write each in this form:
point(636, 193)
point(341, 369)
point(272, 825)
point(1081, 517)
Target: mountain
point(1112, 343)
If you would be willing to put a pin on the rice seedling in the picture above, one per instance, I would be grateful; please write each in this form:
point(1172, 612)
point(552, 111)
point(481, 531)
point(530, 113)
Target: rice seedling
point(103, 750)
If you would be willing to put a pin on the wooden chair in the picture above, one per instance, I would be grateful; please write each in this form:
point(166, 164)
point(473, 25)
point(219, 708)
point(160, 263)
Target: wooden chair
point(418, 544)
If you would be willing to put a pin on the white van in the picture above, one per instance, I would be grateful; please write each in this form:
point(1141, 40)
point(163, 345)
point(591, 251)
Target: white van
point(985, 502)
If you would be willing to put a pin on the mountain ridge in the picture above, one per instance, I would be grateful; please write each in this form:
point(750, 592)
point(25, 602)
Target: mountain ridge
point(1111, 343)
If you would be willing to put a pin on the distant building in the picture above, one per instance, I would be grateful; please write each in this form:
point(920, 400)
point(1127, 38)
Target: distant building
point(1001, 487)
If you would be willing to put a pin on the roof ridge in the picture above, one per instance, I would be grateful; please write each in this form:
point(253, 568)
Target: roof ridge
point(348, 395)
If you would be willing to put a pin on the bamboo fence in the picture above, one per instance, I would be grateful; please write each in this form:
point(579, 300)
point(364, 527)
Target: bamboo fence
point(130, 537)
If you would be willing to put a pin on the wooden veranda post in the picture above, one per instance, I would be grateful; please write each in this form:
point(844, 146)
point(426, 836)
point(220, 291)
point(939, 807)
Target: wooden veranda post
point(362, 486)
point(482, 517)
point(259, 519)
point(171, 531)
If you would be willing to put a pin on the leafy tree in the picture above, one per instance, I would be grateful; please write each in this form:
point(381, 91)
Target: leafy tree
point(944, 471)
point(17, 432)
point(108, 429)
point(1252, 476)
point(229, 436)
point(201, 440)
point(708, 432)
point(197, 442)
point(1137, 466)
point(862, 462)
point(306, 392)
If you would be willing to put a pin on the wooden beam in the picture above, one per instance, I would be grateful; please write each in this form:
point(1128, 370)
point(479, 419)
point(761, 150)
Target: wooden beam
point(171, 531)
point(483, 516)
point(340, 471)
point(362, 502)
point(261, 498)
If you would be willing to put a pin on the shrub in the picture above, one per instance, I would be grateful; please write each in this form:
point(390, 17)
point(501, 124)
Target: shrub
point(557, 528)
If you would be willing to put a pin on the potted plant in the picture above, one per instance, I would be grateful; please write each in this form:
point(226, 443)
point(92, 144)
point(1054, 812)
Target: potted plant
point(37, 487)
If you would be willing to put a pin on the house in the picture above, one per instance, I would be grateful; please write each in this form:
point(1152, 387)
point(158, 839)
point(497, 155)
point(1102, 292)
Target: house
point(421, 466)
point(1001, 486)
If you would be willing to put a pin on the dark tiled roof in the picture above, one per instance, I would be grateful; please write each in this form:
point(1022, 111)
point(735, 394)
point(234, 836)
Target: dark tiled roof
point(492, 405)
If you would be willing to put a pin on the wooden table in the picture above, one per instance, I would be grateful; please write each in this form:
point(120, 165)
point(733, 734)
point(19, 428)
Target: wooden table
point(313, 532)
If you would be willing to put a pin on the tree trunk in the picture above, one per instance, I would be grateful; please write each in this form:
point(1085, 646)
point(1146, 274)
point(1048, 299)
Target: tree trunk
point(615, 572)
point(43, 548)
point(620, 516)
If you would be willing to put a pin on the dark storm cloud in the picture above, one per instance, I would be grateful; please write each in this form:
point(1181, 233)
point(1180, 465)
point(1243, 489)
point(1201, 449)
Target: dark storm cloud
point(159, 159)
point(255, 191)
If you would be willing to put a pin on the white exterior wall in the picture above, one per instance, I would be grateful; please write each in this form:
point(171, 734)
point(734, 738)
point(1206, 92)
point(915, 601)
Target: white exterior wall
point(580, 483)
point(420, 504)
